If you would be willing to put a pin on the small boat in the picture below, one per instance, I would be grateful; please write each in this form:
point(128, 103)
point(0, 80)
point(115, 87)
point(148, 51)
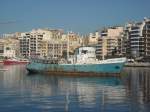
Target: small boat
point(15, 61)
point(84, 61)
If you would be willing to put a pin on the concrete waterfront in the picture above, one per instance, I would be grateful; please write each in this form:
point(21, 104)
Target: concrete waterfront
point(137, 64)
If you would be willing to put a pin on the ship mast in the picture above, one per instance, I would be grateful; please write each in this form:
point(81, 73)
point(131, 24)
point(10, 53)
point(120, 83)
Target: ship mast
point(68, 46)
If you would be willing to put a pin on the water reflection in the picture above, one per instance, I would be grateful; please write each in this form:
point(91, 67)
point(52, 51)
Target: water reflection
point(138, 83)
point(22, 92)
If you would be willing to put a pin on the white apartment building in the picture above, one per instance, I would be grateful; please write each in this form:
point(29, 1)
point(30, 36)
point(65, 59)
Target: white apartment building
point(48, 34)
point(139, 38)
point(35, 43)
point(9, 47)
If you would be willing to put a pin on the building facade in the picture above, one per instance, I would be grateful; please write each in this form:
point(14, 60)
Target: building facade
point(39, 43)
point(1, 48)
point(56, 49)
point(93, 38)
point(73, 40)
point(109, 42)
point(9, 47)
point(24, 41)
point(146, 35)
point(138, 39)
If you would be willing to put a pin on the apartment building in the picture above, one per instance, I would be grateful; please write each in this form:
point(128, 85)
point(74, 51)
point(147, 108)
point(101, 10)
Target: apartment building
point(125, 41)
point(9, 47)
point(109, 42)
point(74, 40)
point(146, 35)
point(137, 40)
point(49, 34)
point(44, 48)
point(93, 38)
point(1, 48)
point(24, 40)
point(101, 48)
point(56, 49)
point(35, 43)
point(138, 36)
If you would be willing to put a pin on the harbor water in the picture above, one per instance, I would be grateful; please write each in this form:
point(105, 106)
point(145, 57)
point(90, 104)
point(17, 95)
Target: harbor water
point(23, 92)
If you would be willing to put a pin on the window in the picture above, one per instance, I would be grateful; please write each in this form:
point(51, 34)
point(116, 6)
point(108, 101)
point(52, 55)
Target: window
point(84, 51)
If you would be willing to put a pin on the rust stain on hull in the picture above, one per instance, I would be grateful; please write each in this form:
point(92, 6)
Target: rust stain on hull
point(81, 74)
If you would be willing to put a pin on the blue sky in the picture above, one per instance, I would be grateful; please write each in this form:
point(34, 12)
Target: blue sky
point(81, 16)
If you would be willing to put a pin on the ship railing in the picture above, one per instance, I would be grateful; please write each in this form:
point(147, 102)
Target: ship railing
point(46, 61)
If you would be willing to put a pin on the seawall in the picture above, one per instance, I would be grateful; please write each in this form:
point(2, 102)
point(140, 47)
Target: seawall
point(137, 64)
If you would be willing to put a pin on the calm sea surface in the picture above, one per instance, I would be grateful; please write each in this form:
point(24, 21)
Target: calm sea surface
point(21, 92)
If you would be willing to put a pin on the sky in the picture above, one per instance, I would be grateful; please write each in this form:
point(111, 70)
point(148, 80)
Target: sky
point(80, 16)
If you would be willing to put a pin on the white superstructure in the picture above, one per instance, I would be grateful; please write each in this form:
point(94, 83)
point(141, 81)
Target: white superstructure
point(86, 55)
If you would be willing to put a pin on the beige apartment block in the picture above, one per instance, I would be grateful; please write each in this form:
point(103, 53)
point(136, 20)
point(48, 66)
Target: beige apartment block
point(44, 48)
point(93, 38)
point(56, 49)
point(74, 40)
point(109, 41)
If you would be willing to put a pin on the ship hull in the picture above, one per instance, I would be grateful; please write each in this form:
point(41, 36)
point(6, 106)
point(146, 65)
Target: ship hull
point(103, 68)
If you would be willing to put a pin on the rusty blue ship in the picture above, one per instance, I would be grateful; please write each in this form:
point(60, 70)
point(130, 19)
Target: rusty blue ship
point(83, 62)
